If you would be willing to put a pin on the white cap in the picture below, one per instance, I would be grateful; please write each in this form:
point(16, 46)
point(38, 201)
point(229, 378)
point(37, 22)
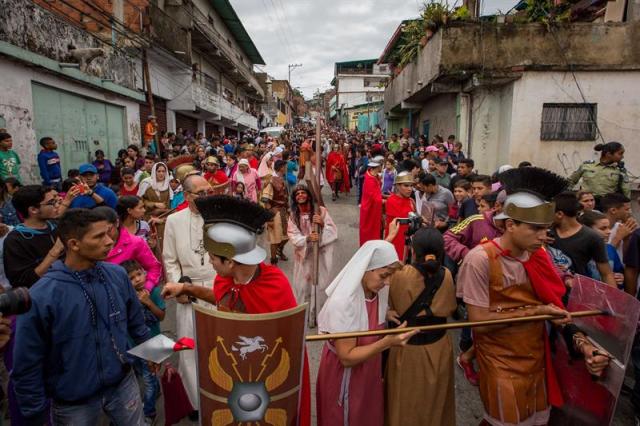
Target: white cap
point(244, 161)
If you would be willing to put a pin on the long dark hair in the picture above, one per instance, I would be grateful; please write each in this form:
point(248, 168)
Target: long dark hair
point(124, 204)
point(428, 241)
point(295, 209)
point(608, 148)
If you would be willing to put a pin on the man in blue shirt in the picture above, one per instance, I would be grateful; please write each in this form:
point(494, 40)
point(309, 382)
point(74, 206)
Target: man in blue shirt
point(71, 347)
point(95, 193)
point(49, 163)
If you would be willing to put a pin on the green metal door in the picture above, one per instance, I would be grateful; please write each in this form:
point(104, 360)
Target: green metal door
point(79, 125)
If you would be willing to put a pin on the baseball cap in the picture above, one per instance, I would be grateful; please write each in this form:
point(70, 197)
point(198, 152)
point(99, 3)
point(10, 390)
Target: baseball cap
point(87, 168)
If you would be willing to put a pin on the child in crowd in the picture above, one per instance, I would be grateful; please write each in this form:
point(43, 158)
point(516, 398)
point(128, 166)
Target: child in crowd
point(389, 176)
point(12, 185)
point(153, 308)
point(600, 223)
point(487, 202)
point(461, 191)
point(129, 186)
point(238, 191)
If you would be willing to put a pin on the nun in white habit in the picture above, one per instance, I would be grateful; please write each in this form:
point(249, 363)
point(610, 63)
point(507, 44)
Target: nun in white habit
point(349, 389)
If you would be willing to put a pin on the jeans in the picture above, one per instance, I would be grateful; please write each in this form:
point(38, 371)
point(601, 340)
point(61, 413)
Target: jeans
point(120, 403)
point(151, 387)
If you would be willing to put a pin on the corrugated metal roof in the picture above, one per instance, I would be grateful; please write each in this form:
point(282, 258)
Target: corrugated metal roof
point(231, 20)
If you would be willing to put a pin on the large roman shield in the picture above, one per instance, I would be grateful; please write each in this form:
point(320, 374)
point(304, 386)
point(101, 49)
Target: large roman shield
point(590, 401)
point(249, 366)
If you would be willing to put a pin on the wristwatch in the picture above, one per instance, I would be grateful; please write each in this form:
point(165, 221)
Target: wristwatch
point(90, 193)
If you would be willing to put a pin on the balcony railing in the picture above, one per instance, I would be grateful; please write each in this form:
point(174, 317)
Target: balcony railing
point(216, 104)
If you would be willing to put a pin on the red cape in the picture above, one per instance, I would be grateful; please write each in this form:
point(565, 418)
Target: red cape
point(370, 209)
point(395, 207)
point(216, 177)
point(337, 159)
point(270, 292)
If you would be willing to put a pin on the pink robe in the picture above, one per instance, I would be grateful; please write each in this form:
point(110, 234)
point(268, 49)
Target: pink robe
point(353, 394)
point(251, 183)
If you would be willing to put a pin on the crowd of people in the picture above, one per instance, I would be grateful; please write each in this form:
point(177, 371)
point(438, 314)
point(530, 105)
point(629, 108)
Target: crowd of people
point(103, 246)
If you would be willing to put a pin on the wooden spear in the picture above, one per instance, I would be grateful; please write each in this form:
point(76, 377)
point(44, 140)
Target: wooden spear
point(451, 325)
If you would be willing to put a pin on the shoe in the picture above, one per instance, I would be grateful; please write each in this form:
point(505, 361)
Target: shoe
point(274, 261)
point(194, 416)
point(150, 420)
point(469, 372)
point(333, 197)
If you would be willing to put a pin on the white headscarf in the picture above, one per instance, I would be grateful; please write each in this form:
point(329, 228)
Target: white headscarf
point(345, 309)
point(152, 182)
point(264, 169)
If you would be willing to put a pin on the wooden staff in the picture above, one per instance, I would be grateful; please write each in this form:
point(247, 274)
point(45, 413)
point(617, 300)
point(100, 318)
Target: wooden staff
point(451, 325)
point(313, 183)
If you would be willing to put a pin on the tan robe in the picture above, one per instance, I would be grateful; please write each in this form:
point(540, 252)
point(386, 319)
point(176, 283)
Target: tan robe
point(420, 378)
point(150, 197)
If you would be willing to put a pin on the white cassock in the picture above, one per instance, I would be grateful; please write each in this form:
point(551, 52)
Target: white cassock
point(183, 255)
point(302, 282)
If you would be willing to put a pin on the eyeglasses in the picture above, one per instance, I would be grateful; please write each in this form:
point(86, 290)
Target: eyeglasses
point(52, 203)
point(202, 193)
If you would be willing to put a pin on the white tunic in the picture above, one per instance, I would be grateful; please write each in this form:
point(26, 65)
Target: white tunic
point(183, 255)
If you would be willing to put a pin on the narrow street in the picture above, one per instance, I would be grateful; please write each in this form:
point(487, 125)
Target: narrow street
point(345, 213)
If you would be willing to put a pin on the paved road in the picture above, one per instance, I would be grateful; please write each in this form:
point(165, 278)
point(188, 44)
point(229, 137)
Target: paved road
point(345, 213)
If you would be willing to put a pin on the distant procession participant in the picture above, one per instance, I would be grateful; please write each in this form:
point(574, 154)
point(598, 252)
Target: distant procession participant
point(275, 198)
point(349, 389)
point(371, 205)
point(337, 172)
point(244, 283)
point(302, 236)
point(217, 178)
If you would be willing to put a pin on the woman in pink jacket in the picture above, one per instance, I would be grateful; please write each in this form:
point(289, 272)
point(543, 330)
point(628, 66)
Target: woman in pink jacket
point(130, 247)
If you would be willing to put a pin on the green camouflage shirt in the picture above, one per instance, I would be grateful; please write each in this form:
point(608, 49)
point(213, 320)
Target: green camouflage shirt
point(601, 179)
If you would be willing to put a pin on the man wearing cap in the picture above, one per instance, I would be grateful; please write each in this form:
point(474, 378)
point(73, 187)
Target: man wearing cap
point(244, 283)
point(184, 255)
point(217, 178)
point(509, 277)
point(399, 205)
point(440, 173)
point(371, 205)
point(94, 194)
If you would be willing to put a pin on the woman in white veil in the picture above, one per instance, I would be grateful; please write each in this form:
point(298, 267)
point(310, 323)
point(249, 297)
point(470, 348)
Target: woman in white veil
point(349, 390)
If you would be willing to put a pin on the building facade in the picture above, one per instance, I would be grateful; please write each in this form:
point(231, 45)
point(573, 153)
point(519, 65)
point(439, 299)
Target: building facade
point(358, 82)
point(516, 92)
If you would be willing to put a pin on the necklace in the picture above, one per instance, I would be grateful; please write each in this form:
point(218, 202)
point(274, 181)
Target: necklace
point(199, 246)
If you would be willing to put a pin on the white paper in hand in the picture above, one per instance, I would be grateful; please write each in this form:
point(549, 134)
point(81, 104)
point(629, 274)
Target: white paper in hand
point(157, 349)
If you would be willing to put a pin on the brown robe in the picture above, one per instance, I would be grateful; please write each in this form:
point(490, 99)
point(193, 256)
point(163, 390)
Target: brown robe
point(511, 359)
point(420, 378)
point(277, 195)
point(149, 198)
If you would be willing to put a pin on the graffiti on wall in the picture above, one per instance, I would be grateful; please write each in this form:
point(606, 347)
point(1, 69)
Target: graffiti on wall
point(570, 162)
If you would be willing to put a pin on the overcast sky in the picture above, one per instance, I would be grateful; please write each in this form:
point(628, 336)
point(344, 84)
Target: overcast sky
point(318, 33)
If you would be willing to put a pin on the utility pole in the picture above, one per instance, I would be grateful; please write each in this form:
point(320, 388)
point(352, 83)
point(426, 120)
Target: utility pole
point(147, 77)
point(291, 67)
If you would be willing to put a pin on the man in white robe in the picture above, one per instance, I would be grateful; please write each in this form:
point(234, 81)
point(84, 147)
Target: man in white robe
point(299, 230)
point(184, 255)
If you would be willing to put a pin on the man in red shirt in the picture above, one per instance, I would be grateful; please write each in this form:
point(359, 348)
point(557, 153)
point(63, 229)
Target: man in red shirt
point(216, 177)
point(244, 283)
point(399, 205)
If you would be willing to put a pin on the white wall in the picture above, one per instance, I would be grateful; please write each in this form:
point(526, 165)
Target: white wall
point(355, 84)
point(441, 113)
point(618, 115)
point(16, 107)
point(490, 124)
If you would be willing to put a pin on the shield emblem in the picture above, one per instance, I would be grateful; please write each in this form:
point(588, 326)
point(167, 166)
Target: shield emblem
point(250, 366)
point(589, 401)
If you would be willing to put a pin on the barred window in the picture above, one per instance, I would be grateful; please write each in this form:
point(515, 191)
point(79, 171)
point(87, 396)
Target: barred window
point(569, 122)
